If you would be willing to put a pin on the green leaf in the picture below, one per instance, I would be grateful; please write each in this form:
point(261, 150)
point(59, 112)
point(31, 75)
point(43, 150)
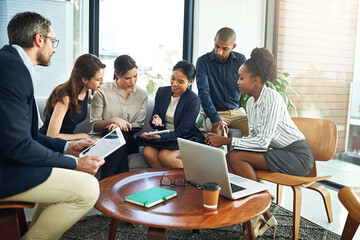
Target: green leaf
point(280, 84)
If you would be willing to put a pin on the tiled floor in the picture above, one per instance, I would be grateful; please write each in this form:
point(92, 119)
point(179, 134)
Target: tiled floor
point(312, 207)
point(341, 172)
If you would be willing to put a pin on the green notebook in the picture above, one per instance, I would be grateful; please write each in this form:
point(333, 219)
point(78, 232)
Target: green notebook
point(151, 197)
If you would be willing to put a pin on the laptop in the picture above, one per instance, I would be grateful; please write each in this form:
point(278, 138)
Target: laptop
point(203, 163)
point(106, 145)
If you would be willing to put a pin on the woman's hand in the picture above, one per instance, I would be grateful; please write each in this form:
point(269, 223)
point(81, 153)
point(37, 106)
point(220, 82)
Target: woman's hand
point(157, 121)
point(85, 136)
point(215, 140)
point(154, 136)
point(121, 123)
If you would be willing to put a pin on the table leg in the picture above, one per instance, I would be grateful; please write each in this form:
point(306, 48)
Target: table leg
point(250, 230)
point(113, 228)
point(156, 233)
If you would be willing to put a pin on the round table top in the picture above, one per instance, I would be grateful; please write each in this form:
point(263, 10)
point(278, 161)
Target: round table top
point(185, 211)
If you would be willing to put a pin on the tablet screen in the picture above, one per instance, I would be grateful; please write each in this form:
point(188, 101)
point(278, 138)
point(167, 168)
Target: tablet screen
point(106, 145)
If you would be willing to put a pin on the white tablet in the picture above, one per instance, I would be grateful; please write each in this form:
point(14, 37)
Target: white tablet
point(106, 145)
point(157, 132)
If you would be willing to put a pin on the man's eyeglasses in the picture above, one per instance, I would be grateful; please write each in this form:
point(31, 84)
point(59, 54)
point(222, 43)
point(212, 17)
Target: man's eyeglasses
point(55, 42)
point(166, 181)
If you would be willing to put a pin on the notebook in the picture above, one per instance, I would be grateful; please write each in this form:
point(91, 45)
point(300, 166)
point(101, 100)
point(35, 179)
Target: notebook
point(151, 197)
point(203, 163)
point(251, 149)
point(106, 145)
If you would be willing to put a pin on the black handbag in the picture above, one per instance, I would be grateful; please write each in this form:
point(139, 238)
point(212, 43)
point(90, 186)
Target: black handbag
point(158, 143)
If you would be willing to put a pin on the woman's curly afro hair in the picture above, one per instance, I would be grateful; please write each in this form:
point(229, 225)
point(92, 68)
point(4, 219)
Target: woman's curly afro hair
point(261, 63)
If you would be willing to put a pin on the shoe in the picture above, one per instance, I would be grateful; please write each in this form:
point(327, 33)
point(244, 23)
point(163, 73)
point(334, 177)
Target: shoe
point(256, 223)
point(271, 223)
point(83, 219)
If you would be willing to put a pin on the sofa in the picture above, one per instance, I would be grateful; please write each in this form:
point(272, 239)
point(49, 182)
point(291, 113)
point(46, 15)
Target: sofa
point(136, 160)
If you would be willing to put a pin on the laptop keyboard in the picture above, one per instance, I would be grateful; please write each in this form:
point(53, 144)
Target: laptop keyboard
point(236, 188)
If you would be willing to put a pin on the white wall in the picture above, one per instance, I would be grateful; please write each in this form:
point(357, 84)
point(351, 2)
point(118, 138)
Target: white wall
point(246, 17)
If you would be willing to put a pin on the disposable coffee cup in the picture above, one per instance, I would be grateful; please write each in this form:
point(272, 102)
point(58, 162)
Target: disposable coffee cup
point(211, 192)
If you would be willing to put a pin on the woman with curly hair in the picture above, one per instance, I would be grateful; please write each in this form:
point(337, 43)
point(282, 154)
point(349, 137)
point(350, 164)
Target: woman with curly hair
point(270, 128)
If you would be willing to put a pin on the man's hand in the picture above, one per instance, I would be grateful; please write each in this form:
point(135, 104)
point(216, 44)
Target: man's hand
point(219, 125)
point(89, 164)
point(215, 140)
point(76, 147)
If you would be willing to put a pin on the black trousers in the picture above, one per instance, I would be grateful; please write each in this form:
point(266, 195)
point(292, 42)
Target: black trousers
point(115, 163)
point(131, 145)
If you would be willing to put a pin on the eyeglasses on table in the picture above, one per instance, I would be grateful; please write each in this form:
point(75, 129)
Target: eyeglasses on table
point(167, 181)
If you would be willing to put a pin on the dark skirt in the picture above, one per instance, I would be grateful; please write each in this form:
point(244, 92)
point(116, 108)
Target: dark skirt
point(170, 144)
point(296, 159)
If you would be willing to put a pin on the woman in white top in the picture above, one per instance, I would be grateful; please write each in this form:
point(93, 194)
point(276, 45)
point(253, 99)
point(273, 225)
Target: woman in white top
point(176, 109)
point(270, 127)
point(120, 103)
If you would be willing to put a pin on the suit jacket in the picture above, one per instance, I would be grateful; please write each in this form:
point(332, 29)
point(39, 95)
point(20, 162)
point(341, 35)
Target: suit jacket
point(185, 114)
point(26, 157)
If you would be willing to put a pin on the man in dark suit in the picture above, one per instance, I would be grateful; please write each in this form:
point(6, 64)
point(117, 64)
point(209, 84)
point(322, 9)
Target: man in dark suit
point(33, 167)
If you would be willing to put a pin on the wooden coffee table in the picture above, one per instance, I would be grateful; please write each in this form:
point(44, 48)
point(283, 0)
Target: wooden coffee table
point(182, 212)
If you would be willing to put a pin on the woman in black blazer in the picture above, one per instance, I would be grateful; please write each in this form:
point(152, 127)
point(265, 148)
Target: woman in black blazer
point(176, 108)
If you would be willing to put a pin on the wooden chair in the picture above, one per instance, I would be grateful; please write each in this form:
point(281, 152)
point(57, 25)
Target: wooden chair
point(12, 219)
point(321, 135)
point(350, 198)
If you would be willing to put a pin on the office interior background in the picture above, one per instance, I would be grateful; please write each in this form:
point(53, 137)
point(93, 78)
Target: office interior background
point(316, 42)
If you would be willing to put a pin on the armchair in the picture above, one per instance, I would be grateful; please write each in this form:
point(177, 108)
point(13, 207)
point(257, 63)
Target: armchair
point(321, 135)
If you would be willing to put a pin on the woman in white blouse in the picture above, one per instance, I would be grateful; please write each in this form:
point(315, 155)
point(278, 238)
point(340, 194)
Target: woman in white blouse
point(270, 127)
point(120, 103)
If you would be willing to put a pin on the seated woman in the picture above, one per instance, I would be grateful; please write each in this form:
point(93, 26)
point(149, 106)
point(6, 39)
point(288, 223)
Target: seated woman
point(178, 107)
point(120, 103)
point(270, 127)
point(67, 104)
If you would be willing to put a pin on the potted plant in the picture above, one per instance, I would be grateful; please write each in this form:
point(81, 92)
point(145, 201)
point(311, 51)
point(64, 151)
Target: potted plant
point(280, 84)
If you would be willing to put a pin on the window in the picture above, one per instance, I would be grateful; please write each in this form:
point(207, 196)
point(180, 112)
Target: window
point(316, 44)
point(151, 34)
point(67, 18)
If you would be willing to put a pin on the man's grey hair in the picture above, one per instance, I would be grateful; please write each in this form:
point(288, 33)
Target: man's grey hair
point(225, 34)
point(23, 27)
